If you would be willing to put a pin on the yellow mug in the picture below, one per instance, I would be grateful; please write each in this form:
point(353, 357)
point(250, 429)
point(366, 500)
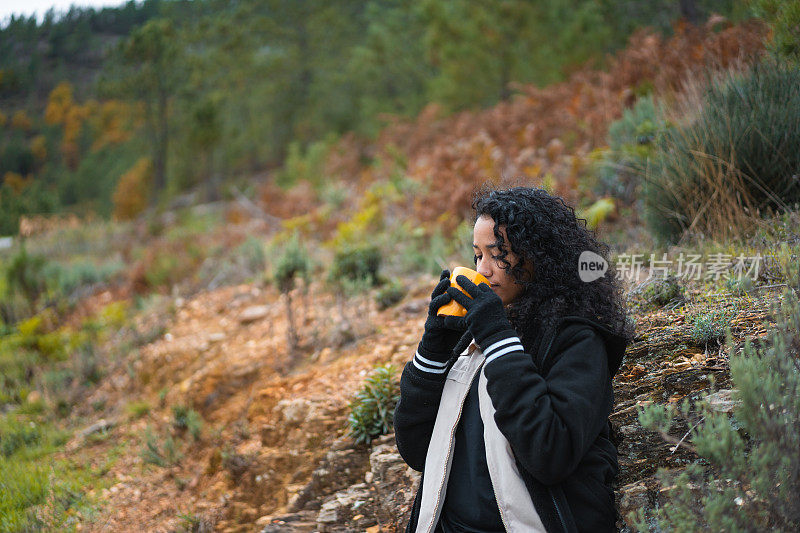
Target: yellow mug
point(454, 308)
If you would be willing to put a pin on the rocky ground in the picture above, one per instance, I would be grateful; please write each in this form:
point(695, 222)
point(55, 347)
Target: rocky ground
point(273, 453)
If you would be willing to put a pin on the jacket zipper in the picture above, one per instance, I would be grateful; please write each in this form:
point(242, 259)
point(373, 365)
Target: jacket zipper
point(558, 509)
point(432, 525)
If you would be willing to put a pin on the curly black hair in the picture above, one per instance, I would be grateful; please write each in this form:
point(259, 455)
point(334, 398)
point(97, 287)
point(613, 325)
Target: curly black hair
point(544, 231)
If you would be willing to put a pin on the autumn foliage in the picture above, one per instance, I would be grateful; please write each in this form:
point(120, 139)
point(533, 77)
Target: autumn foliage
point(130, 197)
point(544, 135)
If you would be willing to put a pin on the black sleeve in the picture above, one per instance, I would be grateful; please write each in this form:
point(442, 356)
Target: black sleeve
point(415, 413)
point(551, 422)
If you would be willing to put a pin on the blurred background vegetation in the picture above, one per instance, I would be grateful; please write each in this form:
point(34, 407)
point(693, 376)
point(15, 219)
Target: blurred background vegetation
point(110, 110)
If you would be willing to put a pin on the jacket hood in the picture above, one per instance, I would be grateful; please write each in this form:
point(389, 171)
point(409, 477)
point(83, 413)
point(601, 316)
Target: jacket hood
point(615, 343)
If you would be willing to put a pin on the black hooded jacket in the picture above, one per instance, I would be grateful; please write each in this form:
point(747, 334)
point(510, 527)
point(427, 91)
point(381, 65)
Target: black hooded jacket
point(552, 405)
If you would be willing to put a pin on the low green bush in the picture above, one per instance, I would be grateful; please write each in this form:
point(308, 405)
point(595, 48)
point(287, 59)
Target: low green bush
point(663, 291)
point(356, 263)
point(187, 419)
point(619, 169)
point(390, 294)
point(137, 409)
point(708, 328)
point(308, 164)
point(293, 263)
point(748, 474)
point(25, 274)
point(372, 409)
point(16, 434)
point(736, 159)
point(159, 451)
point(66, 278)
point(784, 19)
point(739, 286)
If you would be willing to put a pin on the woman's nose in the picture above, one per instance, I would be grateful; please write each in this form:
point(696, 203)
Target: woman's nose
point(484, 269)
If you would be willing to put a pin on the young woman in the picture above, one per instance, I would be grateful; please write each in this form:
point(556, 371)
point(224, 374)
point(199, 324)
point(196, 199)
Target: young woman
point(505, 410)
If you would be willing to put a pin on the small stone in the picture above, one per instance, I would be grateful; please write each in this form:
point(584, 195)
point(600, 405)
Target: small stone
point(100, 425)
point(216, 337)
point(328, 513)
point(722, 401)
point(34, 397)
point(253, 313)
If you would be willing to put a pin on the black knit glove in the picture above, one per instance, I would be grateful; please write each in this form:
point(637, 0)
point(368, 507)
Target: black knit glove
point(486, 318)
point(442, 333)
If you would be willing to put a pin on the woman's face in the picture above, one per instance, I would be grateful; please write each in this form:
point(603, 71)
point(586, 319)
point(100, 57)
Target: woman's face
point(483, 240)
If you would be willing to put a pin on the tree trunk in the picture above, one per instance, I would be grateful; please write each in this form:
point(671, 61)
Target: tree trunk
point(689, 11)
point(291, 330)
point(161, 146)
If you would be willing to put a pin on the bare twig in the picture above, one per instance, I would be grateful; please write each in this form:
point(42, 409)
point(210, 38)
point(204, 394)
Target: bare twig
point(680, 442)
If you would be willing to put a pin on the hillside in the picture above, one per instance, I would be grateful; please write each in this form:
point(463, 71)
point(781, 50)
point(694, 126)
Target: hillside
point(149, 378)
point(274, 446)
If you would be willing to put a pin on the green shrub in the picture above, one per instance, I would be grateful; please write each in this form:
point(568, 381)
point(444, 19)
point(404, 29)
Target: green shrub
point(35, 198)
point(164, 270)
point(17, 365)
point(390, 294)
point(736, 159)
point(784, 18)
point(305, 164)
point(755, 479)
point(709, 327)
point(739, 286)
point(372, 410)
point(164, 455)
point(25, 274)
point(662, 291)
point(630, 144)
point(16, 434)
point(598, 212)
point(292, 264)
point(67, 278)
point(187, 419)
point(789, 265)
point(356, 263)
point(137, 409)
